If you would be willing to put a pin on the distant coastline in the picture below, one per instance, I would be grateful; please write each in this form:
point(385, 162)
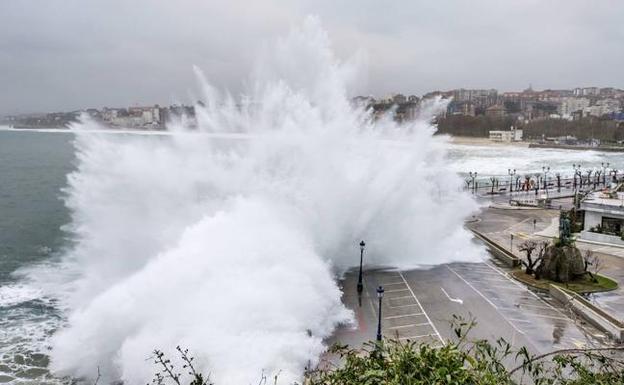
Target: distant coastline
point(575, 147)
point(480, 141)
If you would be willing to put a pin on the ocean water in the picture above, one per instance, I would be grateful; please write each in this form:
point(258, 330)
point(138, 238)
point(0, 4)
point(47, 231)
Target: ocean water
point(33, 169)
point(34, 166)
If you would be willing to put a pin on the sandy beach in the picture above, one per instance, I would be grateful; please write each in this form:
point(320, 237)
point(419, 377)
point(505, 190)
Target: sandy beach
point(473, 141)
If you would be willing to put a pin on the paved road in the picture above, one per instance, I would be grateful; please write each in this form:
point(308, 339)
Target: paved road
point(419, 304)
point(499, 224)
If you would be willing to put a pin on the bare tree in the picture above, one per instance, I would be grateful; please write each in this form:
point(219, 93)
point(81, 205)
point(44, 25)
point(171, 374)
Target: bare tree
point(529, 247)
point(593, 264)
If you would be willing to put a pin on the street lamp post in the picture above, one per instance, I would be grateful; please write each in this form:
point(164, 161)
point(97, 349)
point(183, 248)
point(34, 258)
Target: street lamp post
point(537, 185)
point(604, 172)
point(473, 175)
point(511, 177)
point(546, 170)
point(360, 286)
point(577, 172)
point(380, 293)
point(511, 242)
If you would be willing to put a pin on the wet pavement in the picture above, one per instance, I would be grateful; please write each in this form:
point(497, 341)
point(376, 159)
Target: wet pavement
point(418, 305)
point(500, 224)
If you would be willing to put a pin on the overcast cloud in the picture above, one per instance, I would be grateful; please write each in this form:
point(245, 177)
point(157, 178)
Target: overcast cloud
point(70, 54)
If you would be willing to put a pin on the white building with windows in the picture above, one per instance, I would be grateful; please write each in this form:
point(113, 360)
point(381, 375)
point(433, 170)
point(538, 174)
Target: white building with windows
point(570, 105)
point(603, 107)
point(604, 216)
point(513, 135)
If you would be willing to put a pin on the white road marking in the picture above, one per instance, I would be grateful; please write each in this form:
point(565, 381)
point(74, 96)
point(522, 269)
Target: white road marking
point(408, 326)
point(403, 315)
point(391, 283)
point(402, 297)
point(423, 309)
point(459, 301)
point(420, 336)
point(395, 291)
point(406, 305)
point(486, 299)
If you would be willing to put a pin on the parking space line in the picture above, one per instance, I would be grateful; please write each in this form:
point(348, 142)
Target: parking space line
point(405, 305)
point(420, 336)
point(390, 283)
point(423, 309)
point(402, 297)
point(408, 326)
point(395, 291)
point(390, 275)
point(403, 315)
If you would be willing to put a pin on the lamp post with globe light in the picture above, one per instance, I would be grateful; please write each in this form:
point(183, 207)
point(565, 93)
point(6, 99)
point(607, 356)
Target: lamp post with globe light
point(511, 177)
point(380, 293)
point(360, 286)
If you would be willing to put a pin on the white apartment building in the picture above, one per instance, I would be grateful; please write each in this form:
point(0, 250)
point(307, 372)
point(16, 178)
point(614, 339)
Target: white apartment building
point(571, 105)
point(513, 135)
point(602, 107)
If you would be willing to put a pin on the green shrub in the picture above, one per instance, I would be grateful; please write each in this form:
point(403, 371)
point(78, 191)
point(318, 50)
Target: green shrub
point(458, 362)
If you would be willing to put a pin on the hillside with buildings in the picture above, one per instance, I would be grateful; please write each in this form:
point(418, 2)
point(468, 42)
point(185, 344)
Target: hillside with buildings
point(589, 115)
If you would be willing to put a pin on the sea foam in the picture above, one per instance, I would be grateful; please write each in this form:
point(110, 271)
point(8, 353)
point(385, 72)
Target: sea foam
point(227, 237)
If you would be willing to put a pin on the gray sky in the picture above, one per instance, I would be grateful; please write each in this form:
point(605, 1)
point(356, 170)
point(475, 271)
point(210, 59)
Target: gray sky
point(70, 54)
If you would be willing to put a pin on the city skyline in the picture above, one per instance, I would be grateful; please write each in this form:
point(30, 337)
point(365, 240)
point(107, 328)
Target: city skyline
point(120, 54)
point(577, 92)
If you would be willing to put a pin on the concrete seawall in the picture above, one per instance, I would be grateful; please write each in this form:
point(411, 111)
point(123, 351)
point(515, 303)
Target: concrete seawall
point(499, 252)
point(590, 312)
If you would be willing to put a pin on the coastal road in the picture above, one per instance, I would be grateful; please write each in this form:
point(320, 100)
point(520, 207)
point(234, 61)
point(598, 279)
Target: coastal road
point(418, 305)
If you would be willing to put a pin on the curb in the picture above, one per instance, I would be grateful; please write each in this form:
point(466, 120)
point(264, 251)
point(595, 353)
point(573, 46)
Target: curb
point(537, 288)
point(583, 308)
point(500, 253)
point(599, 243)
point(533, 287)
point(590, 312)
point(507, 207)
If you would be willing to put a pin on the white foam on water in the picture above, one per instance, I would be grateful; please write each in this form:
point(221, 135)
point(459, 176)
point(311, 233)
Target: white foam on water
point(228, 241)
point(15, 294)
